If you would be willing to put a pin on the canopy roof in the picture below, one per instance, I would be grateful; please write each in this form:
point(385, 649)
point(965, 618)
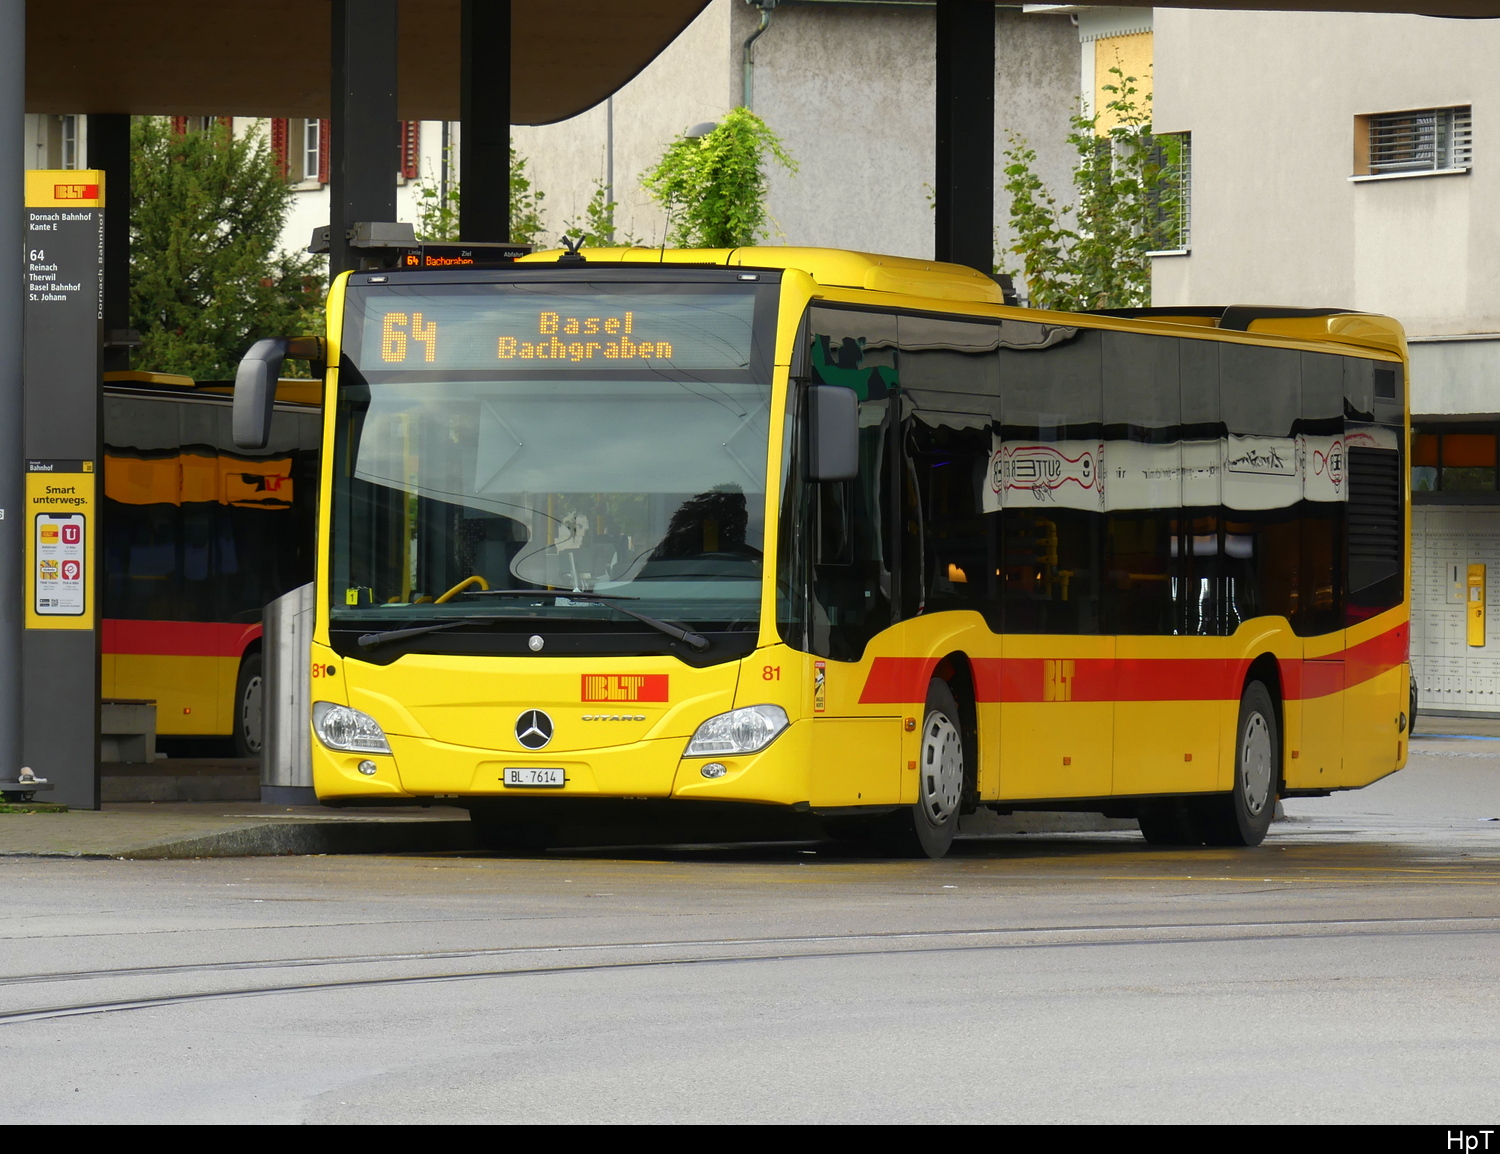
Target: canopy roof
point(271, 57)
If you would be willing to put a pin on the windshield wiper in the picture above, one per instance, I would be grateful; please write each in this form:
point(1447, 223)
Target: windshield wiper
point(695, 641)
point(370, 640)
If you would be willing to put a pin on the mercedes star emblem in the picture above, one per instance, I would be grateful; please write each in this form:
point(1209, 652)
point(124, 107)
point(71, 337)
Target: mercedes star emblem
point(536, 643)
point(533, 729)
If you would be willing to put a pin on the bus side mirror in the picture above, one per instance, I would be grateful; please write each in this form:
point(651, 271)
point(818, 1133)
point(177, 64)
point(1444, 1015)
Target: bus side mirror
point(255, 392)
point(833, 428)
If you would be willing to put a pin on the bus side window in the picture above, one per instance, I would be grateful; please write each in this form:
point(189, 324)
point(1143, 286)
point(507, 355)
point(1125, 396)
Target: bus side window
point(1199, 538)
point(1143, 485)
point(1052, 520)
point(1260, 396)
point(1320, 602)
point(950, 382)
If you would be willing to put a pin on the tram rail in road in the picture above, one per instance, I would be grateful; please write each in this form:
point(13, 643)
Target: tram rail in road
point(635, 955)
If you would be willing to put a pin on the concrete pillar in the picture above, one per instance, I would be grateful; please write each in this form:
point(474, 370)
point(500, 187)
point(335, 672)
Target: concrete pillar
point(484, 76)
point(965, 179)
point(12, 301)
point(364, 149)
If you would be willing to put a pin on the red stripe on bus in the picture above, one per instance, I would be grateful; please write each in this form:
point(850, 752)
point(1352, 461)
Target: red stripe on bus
point(895, 679)
point(903, 680)
point(177, 638)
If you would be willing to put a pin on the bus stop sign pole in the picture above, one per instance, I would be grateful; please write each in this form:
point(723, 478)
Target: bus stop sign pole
point(59, 515)
point(12, 297)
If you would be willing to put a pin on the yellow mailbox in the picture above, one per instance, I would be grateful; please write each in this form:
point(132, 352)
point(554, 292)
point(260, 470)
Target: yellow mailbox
point(1474, 605)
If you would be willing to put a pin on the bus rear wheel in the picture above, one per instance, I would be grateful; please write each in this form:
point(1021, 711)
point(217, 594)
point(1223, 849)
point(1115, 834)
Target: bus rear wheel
point(927, 828)
point(249, 707)
point(1244, 817)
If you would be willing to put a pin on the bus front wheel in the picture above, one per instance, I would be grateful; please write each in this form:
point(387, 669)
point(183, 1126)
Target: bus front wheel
point(927, 828)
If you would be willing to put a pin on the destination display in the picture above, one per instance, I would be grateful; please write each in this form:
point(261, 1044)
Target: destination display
point(515, 327)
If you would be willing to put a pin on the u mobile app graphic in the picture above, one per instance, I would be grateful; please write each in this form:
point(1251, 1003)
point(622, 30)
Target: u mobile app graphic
point(60, 586)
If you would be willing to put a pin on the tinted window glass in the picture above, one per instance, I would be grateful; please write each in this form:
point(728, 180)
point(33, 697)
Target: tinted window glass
point(1261, 403)
point(949, 377)
point(194, 529)
point(1318, 604)
point(1199, 532)
point(1142, 481)
point(1048, 483)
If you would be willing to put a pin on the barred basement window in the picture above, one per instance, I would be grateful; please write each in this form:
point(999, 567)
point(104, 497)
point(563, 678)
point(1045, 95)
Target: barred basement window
point(1172, 201)
point(1422, 140)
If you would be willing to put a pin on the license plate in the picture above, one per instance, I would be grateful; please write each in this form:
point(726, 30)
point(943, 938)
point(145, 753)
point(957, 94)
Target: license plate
point(532, 777)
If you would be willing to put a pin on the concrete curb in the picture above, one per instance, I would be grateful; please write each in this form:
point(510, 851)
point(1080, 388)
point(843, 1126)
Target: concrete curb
point(280, 839)
point(111, 836)
point(226, 838)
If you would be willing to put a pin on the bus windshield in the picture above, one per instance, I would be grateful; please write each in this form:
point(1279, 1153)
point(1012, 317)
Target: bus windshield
point(607, 439)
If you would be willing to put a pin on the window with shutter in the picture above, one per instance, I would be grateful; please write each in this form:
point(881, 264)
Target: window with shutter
point(1172, 200)
point(1421, 140)
point(322, 151)
point(279, 146)
point(411, 148)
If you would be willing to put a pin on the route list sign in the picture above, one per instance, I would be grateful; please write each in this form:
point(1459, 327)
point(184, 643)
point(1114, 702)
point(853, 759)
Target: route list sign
point(62, 268)
point(64, 312)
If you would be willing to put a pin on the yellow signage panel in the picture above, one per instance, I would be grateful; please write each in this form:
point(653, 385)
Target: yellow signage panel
point(65, 188)
point(61, 519)
point(1475, 607)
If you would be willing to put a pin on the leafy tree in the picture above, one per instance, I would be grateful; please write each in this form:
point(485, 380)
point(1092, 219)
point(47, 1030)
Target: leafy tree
point(714, 187)
point(437, 219)
point(206, 280)
point(1127, 202)
point(597, 228)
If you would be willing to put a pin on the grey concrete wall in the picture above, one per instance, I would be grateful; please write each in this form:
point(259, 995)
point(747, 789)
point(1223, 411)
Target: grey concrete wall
point(850, 90)
point(848, 87)
point(687, 84)
point(1270, 99)
point(1455, 377)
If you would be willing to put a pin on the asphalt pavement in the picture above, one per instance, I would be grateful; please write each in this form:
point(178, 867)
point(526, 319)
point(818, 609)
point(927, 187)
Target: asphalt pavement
point(1346, 971)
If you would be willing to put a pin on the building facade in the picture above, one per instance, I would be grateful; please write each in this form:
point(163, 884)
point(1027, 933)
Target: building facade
point(1343, 160)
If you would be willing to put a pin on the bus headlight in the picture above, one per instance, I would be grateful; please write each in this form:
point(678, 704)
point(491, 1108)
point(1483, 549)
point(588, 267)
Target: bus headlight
point(746, 730)
point(339, 727)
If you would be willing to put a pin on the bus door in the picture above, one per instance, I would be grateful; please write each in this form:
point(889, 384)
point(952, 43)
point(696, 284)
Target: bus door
point(848, 527)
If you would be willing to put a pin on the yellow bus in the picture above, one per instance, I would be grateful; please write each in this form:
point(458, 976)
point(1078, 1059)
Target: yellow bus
point(834, 537)
point(197, 539)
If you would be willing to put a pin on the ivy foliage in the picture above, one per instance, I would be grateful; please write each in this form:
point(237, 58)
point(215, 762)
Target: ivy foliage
point(713, 188)
point(437, 217)
point(206, 279)
point(597, 227)
point(1127, 202)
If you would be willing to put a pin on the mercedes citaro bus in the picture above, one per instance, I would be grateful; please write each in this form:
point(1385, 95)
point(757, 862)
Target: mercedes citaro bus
point(841, 537)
